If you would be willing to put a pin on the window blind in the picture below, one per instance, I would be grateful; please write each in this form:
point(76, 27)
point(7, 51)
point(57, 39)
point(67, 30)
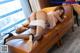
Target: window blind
point(11, 15)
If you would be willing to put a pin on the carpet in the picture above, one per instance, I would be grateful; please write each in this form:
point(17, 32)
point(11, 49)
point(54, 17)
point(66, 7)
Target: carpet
point(75, 47)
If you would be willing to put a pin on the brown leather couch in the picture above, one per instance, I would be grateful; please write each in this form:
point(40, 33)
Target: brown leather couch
point(50, 38)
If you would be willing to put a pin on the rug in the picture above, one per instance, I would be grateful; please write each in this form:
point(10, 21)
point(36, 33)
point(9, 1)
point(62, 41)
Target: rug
point(75, 47)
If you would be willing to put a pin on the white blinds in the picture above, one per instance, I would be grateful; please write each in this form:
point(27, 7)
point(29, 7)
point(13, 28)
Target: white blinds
point(11, 15)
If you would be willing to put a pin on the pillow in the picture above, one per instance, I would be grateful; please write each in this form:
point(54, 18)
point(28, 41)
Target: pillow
point(49, 9)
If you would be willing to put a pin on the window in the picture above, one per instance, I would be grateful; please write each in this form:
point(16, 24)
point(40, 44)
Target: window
point(11, 15)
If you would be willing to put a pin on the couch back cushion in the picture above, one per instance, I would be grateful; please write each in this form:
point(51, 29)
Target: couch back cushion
point(48, 9)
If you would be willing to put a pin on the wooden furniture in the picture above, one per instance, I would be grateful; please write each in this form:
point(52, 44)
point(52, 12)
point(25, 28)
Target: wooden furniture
point(76, 8)
point(50, 38)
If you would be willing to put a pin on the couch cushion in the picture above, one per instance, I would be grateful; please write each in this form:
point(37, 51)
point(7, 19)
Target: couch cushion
point(48, 9)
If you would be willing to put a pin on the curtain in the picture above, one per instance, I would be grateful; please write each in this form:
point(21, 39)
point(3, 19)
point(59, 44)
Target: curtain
point(35, 5)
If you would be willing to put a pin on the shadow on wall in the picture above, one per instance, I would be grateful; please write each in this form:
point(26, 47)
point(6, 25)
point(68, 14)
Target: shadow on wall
point(54, 2)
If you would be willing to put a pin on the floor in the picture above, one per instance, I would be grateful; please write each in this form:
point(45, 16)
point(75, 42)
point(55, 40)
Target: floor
point(67, 39)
